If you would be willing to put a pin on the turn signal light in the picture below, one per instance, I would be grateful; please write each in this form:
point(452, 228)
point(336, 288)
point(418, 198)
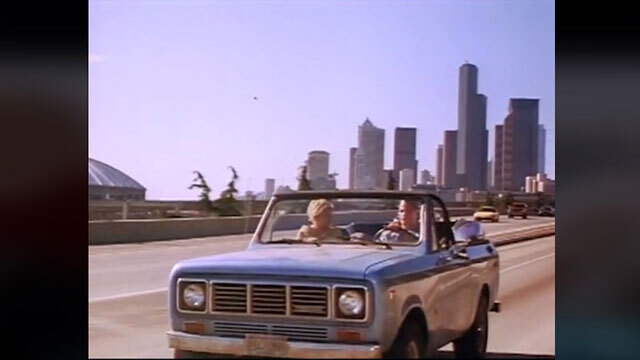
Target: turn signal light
point(349, 336)
point(194, 327)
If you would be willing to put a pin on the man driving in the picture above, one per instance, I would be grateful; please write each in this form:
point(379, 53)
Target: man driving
point(406, 226)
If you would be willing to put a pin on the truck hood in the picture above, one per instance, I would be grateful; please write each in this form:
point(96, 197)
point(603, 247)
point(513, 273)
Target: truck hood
point(334, 261)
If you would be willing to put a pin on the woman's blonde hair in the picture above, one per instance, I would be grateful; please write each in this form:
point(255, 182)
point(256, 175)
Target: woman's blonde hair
point(316, 207)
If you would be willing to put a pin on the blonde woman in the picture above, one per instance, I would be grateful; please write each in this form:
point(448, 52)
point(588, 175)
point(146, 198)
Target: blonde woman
point(320, 212)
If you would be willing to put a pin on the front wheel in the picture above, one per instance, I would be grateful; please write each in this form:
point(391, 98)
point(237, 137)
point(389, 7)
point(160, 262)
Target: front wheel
point(473, 344)
point(409, 344)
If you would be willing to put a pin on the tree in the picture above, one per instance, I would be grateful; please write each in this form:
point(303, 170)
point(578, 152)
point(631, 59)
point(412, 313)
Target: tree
point(231, 186)
point(391, 181)
point(490, 200)
point(303, 182)
point(541, 199)
point(200, 183)
point(227, 205)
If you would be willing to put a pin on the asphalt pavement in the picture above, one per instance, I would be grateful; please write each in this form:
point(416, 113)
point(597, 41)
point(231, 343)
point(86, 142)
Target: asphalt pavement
point(127, 293)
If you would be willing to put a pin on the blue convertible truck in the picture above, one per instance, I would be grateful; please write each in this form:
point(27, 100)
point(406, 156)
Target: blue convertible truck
point(341, 274)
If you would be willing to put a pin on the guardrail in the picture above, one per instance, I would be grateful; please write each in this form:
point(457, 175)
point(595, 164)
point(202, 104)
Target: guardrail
point(104, 232)
point(528, 233)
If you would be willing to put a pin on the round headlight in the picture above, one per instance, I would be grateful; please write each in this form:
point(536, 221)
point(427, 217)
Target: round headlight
point(193, 295)
point(350, 303)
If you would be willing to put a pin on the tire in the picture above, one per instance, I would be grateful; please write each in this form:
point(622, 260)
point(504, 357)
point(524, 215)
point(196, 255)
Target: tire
point(473, 344)
point(409, 343)
point(510, 216)
point(524, 217)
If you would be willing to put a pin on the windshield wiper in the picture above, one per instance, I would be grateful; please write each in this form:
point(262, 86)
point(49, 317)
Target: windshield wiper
point(293, 241)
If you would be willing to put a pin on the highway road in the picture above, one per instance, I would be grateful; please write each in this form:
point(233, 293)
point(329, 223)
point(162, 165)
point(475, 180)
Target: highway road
point(127, 293)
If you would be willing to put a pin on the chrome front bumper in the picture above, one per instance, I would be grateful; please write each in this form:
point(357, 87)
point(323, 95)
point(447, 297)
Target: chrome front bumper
point(295, 349)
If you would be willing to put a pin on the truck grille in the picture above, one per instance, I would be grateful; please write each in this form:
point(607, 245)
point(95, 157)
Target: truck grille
point(295, 333)
point(228, 297)
point(270, 299)
point(309, 301)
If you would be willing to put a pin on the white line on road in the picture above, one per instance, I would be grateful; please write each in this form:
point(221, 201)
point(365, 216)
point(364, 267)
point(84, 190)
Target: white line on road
point(159, 290)
point(527, 262)
point(125, 295)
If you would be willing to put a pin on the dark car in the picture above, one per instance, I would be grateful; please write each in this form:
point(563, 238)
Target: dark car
point(365, 291)
point(547, 210)
point(517, 209)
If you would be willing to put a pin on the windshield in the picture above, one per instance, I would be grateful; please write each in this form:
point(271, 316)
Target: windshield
point(345, 221)
point(488, 209)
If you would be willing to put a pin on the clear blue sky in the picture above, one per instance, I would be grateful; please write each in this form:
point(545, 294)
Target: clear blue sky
point(171, 83)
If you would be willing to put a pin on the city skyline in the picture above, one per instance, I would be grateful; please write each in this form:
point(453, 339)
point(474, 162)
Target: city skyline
point(219, 84)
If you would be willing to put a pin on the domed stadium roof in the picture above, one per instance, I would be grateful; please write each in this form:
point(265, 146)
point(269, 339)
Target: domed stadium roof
point(101, 174)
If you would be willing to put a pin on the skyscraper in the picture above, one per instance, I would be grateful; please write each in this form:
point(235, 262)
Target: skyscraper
point(425, 177)
point(542, 138)
point(352, 167)
point(472, 136)
point(497, 158)
point(370, 157)
point(318, 164)
point(406, 179)
point(404, 151)
point(439, 170)
point(269, 186)
point(449, 176)
point(520, 143)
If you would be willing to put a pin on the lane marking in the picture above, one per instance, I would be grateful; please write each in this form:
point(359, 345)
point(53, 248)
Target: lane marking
point(159, 290)
point(163, 289)
point(126, 295)
point(518, 229)
point(512, 267)
point(528, 243)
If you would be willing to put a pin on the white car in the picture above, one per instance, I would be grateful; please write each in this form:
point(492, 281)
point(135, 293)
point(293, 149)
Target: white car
point(486, 213)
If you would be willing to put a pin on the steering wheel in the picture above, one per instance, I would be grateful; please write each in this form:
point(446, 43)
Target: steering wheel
point(379, 238)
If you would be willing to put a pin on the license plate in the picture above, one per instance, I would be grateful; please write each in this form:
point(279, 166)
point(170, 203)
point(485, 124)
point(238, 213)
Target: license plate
point(266, 345)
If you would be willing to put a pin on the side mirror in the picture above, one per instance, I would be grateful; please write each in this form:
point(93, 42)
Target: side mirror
point(465, 231)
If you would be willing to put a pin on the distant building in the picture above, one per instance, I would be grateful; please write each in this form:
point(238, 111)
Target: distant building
point(520, 143)
point(406, 179)
point(540, 183)
point(449, 178)
point(386, 174)
point(283, 189)
point(369, 157)
point(531, 185)
point(472, 144)
point(497, 158)
point(317, 165)
point(439, 169)
point(109, 183)
point(542, 135)
point(425, 187)
point(489, 174)
point(426, 177)
point(404, 151)
point(269, 187)
point(352, 167)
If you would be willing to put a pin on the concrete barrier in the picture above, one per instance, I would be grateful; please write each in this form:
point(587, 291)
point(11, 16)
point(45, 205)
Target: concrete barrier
point(103, 232)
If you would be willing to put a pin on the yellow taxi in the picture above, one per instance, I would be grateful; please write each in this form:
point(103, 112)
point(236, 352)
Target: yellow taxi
point(486, 213)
